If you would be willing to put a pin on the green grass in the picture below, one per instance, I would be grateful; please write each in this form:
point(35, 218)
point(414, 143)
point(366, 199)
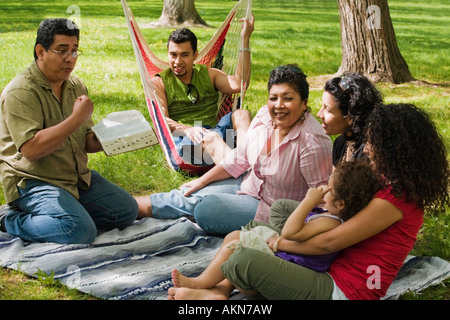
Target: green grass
point(303, 32)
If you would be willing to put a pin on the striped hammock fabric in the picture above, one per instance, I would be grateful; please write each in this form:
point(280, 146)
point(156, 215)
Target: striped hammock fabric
point(215, 54)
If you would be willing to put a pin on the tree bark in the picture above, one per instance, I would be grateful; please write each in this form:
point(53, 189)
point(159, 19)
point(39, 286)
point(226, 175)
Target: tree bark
point(180, 13)
point(369, 45)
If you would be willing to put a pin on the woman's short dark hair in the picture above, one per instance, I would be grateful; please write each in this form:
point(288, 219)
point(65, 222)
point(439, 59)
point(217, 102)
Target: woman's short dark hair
point(290, 74)
point(183, 35)
point(356, 96)
point(48, 28)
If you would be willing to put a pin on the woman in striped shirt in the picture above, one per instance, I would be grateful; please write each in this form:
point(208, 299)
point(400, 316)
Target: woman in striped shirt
point(286, 152)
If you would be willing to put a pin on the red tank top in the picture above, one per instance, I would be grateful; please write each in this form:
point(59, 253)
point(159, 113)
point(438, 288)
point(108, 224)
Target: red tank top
point(366, 270)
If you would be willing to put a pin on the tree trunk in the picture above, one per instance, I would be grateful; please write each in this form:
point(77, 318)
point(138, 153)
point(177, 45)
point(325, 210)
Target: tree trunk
point(368, 41)
point(180, 13)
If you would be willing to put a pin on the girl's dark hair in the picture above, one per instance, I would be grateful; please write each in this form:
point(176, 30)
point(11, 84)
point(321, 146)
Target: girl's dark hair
point(410, 154)
point(355, 183)
point(356, 97)
point(292, 75)
point(48, 28)
point(183, 35)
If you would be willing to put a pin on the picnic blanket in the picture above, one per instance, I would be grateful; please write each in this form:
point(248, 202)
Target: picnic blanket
point(136, 263)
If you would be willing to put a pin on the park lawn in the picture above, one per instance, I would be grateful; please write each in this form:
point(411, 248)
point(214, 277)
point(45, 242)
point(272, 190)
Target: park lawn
point(303, 32)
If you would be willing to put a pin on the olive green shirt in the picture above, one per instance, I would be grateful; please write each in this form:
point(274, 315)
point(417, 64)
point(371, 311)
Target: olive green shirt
point(28, 105)
point(180, 106)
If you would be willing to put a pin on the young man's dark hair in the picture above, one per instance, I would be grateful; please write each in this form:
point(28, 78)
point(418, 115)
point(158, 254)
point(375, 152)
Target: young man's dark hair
point(51, 27)
point(183, 35)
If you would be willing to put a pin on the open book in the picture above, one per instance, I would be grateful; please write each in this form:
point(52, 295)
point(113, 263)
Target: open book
point(124, 131)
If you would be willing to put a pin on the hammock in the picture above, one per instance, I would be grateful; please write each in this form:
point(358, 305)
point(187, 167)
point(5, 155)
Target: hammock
point(215, 54)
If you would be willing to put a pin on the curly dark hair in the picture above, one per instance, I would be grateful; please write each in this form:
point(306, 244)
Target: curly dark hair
point(356, 100)
point(290, 74)
point(410, 154)
point(355, 183)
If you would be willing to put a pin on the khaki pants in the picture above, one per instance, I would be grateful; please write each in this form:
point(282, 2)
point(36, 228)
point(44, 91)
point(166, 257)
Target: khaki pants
point(275, 278)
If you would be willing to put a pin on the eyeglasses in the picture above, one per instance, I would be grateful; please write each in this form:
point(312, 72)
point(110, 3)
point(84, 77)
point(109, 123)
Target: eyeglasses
point(192, 93)
point(65, 53)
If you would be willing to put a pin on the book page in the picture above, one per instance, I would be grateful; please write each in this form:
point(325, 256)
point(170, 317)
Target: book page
point(124, 131)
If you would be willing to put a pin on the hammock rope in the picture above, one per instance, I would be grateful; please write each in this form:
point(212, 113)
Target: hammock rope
point(221, 52)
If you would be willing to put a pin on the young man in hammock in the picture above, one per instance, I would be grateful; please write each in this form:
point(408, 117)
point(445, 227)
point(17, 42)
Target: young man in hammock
point(189, 95)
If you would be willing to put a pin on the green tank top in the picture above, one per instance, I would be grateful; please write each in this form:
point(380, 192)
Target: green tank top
point(194, 102)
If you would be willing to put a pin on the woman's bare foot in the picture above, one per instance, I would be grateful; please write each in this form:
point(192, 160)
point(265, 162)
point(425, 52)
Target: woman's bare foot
point(216, 293)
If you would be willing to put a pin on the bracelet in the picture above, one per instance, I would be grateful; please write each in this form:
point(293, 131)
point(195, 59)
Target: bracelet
point(275, 244)
point(245, 50)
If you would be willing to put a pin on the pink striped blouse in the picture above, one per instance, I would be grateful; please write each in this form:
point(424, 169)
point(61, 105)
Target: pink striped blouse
point(302, 160)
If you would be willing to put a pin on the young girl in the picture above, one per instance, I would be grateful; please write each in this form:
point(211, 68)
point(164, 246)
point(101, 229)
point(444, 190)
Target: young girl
point(351, 186)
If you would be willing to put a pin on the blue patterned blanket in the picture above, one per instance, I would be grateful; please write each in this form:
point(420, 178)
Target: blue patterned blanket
point(136, 263)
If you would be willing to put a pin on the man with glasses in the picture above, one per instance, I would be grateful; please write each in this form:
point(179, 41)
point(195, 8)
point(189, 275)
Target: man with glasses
point(45, 135)
point(189, 97)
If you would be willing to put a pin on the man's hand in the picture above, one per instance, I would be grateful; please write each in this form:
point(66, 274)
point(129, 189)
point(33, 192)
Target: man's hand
point(248, 27)
point(195, 133)
point(83, 108)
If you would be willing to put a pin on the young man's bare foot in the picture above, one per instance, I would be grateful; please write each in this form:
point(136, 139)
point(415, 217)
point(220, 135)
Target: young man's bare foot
point(215, 293)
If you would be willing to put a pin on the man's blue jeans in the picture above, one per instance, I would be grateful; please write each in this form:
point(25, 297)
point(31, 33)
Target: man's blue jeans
point(51, 214)
point(195, 154)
